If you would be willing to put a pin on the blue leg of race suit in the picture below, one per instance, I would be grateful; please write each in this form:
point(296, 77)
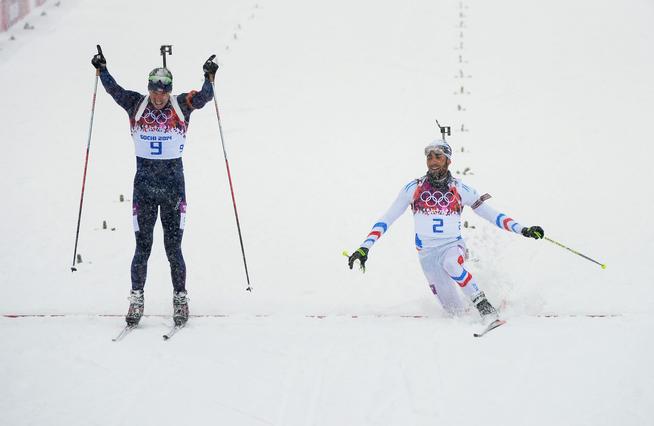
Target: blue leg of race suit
point(173, 210)
point(144, 213)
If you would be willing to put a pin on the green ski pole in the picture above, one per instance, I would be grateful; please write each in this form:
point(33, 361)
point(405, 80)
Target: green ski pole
point(603, 265)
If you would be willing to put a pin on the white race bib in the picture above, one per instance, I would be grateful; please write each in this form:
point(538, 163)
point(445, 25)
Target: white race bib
point(159, 134)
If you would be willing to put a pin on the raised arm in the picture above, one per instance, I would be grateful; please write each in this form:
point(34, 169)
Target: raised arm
point(194, 99)
point(125, 98)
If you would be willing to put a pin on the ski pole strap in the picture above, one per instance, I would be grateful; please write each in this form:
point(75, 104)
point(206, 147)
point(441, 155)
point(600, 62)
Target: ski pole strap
point(603, 265)
point(361, 252)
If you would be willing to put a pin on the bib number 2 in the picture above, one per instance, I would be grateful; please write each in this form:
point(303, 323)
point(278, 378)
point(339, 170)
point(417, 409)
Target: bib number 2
point(437, 226)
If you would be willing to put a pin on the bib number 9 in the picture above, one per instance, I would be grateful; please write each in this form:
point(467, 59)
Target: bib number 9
point(156, 148)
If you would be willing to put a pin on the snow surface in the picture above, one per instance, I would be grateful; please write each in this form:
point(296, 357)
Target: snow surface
point(326, 107)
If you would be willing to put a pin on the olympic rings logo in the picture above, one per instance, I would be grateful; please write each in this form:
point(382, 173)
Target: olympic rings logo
point(437, 198)
point(157, 116)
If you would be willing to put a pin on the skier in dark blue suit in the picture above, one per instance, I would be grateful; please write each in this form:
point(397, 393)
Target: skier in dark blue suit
point(158, 123)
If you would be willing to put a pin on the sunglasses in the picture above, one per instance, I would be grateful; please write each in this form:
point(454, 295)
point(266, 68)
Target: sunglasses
point(438, 150)
point(160, 79)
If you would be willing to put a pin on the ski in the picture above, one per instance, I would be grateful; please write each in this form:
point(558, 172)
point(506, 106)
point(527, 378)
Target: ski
point(490, 327)
point(174, 329)
point(124, 332)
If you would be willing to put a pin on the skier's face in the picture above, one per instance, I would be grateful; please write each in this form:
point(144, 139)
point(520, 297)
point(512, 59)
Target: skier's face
point(159, 99)
point(437, 164)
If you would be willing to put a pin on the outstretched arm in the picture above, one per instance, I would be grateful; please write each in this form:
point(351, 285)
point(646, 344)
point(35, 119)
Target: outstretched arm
point(394, 211)
point(381, 226)
point(503, 221)
point(470, 197)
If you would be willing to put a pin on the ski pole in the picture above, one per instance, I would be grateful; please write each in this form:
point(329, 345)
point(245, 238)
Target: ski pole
point(229, 177)
point(603, 265)
point(86, 162)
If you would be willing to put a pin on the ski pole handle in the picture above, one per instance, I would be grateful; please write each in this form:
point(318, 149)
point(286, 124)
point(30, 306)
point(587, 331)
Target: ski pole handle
point(603, 265)
point(97, 71)
point(212, 76)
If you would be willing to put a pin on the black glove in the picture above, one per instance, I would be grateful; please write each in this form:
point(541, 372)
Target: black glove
point(362, 255)
point(210, 68)
point(533, 232)
point(99, 62)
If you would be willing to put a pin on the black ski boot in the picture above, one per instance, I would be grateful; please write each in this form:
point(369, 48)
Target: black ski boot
point(180, 308)
point(486, 310)
point(135, 311)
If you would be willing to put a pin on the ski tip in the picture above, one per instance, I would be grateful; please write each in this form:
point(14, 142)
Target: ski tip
point(493, 325)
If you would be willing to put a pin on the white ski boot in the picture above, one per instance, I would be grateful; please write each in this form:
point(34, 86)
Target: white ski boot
point(486, 310)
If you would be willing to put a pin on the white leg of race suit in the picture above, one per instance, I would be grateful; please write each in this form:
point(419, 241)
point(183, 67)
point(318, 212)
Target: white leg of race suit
point(452, 260)
point(440, 281)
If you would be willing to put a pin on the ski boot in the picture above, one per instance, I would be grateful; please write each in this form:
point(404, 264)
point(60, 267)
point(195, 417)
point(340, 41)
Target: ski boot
point(180, 308)
point(135, 311)
point(486, 310)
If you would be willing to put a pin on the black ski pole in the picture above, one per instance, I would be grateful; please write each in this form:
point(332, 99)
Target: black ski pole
point(229, 177)
point(86, 162)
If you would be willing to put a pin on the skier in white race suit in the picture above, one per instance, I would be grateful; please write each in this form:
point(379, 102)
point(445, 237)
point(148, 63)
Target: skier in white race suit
point(437, 200)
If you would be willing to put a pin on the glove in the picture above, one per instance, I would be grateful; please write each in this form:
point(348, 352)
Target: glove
point(361, 254)
point(533, 232)
point(210, 68)
point(99, 62)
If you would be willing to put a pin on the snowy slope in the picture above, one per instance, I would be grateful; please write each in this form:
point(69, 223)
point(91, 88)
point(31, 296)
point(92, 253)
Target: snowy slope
point(325, 120)
point(326, 108)
point(334, 371)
